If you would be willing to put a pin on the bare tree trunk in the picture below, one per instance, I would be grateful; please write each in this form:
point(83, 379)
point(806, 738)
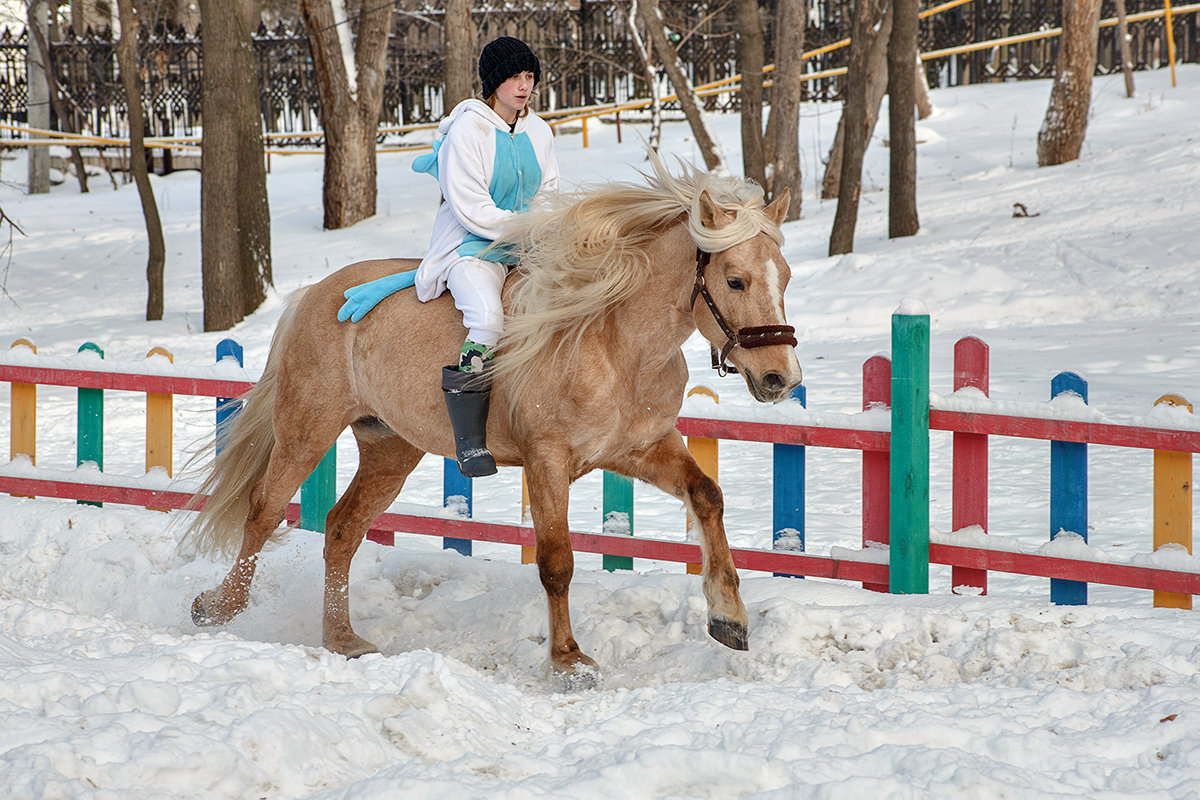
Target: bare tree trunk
point(130, 80)
point(235, 221)
point(37, 101)
point(95, 15)
point(855, 134)
point(750, 63)
point(1061, 136)
point(876, 88)
point(783, 129)
point(60, 106)
point(219, 249)
point(924, 102)
point(1123, 40)
point(458, 53)
point(351, 105)
point(254, 211)
point(902, 131)
point(646, 54)
point(656, 29)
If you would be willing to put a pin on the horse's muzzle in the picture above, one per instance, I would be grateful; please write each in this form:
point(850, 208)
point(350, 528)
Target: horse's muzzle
point(772, 386)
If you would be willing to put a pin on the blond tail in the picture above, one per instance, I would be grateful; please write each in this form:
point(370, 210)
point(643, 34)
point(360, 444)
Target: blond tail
point(245, 452)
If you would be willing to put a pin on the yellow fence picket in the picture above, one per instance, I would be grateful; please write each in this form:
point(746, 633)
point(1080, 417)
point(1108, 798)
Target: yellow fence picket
point(23, 426)
point(704, 450)
point(528, 552)
point(160, 430)
point(1172, 504)
point(24, 414)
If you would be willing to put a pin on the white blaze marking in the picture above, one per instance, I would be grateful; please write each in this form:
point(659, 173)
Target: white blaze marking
point(774, 283)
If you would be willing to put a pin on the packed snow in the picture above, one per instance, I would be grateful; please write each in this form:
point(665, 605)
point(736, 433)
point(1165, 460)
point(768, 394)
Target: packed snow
point(107, 690)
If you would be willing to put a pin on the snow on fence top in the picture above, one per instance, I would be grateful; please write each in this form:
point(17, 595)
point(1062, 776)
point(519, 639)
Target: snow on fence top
point(967, 413)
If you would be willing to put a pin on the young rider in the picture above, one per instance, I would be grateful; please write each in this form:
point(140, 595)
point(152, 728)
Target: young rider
point(490, 159)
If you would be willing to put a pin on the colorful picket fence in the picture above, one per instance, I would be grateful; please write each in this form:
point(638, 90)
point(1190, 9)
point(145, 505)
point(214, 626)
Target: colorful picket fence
point(895, 474)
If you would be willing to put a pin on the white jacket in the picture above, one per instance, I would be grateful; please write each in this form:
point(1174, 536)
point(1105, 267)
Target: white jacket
point(486, 174)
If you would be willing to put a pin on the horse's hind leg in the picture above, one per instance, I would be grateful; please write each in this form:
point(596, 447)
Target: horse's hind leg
point(292, 460)
point(385, 461)
point(668, 465)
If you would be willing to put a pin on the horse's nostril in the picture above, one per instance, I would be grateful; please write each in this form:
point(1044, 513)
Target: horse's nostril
point(774, 381)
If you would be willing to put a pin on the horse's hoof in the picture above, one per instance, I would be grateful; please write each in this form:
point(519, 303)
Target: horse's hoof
point(577, 674)
point(353, 648)
point(206, 614)
point(583, 679)
point(732, 634)
point(200, 614)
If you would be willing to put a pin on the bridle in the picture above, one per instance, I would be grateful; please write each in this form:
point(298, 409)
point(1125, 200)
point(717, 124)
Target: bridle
point(747, 338)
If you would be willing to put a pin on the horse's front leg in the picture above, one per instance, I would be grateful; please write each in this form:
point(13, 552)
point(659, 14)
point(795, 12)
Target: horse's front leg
point(668, 465)
point(549, 491)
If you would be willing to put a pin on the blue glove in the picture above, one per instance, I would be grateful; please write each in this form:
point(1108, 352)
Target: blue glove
point(362, 298)
point(427, 163)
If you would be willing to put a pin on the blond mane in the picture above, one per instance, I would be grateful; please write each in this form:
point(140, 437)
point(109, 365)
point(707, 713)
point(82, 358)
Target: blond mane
point(583, 252)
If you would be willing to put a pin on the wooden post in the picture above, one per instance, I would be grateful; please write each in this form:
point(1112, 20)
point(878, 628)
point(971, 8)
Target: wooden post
point(788, 480)
point(706, 453)
point(585, 136)
point(159, 422)
point(1123, 48)
point(528, 552)
point(454, 485)
point(1068, 491)
point(1169, 23)
point(318, 493)
point(909, 546)
point(1172, 504)
point(970, 478)
point(227, 407)
point(876, 465)
point(23, 426)
point(89, 424)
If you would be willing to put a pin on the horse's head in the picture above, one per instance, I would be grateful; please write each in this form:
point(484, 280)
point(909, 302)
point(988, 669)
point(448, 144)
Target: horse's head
point(742, 315)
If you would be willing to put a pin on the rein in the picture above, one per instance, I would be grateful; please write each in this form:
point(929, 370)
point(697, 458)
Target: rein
point(747, 338)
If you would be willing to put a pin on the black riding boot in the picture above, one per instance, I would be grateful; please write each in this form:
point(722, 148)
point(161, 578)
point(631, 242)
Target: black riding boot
point(468, 395)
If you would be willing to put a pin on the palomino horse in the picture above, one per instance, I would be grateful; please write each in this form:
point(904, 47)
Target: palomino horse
point(590, 375)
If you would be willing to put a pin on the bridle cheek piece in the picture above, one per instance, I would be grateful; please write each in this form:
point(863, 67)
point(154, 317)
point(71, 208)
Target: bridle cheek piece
point(747, 338)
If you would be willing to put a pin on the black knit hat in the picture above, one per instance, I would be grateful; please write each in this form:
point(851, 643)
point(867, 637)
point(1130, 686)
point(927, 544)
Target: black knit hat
point(504, 57)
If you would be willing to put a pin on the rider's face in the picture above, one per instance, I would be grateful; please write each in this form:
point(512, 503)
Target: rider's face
point(513, 95)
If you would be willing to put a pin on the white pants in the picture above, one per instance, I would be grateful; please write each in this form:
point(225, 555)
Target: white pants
point(476, 285)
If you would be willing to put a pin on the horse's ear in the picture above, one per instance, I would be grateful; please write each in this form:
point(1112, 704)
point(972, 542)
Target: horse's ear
point(777, 210)
point(712, 216)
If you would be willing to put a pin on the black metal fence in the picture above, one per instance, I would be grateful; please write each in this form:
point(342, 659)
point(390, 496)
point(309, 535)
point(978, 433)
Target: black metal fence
point(587, 54)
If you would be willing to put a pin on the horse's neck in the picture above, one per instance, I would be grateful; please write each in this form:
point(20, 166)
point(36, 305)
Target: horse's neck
point(658, 319)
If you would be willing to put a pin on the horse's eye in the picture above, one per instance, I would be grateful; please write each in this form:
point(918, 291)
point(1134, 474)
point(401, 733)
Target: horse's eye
point(735, 284)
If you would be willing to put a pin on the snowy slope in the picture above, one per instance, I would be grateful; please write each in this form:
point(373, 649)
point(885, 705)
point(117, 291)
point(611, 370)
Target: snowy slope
point(107, 690)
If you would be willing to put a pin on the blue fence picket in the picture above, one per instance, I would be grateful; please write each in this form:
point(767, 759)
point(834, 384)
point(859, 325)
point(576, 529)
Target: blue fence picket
point(456, 485)
point(227, 407)
point(788, 499)
point(1068, 491)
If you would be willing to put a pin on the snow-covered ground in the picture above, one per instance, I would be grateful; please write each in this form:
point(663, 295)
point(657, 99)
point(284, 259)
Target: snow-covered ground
point(108, 691)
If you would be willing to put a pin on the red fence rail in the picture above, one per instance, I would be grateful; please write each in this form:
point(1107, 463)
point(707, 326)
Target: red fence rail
point(855, 434)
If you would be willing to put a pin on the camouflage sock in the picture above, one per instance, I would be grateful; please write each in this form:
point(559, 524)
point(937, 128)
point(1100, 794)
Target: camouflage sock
point(474, 355)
